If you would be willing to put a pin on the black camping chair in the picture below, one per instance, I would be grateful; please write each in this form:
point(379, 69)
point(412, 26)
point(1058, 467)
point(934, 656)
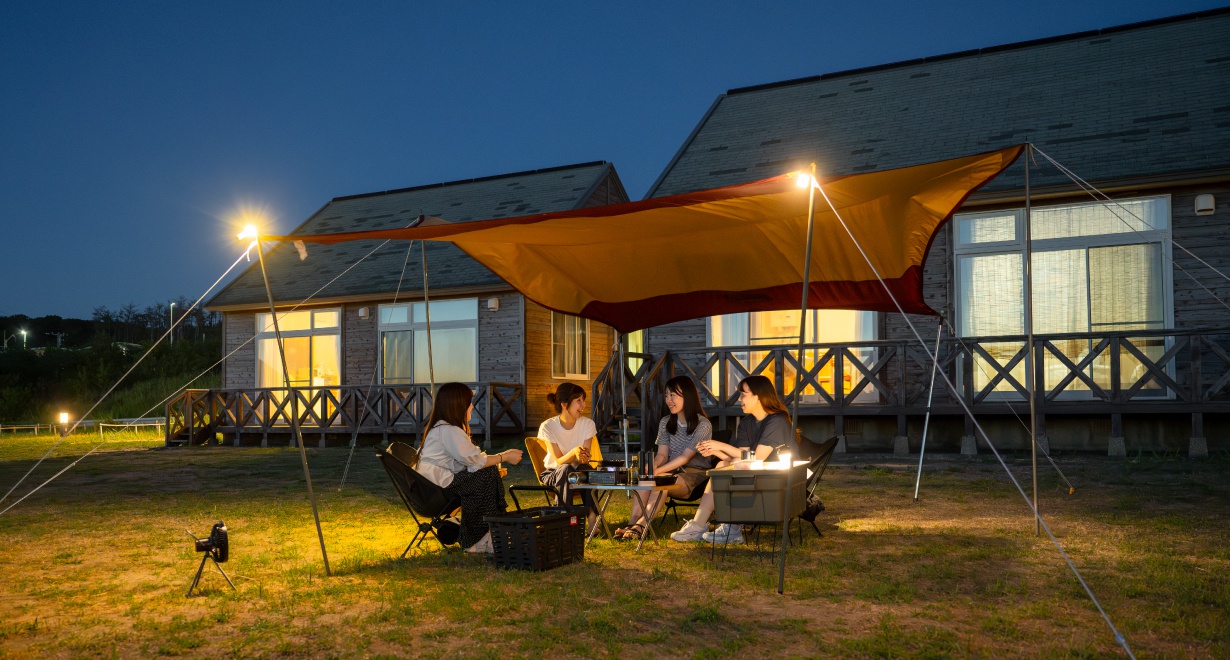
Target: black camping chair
point(818, 455)
point(422, 498)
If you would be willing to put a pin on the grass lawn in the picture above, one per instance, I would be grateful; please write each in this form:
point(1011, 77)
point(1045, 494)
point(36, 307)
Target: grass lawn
point(97, 564)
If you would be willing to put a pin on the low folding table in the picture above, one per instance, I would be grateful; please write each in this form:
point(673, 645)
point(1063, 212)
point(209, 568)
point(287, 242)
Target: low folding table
point(603, 492)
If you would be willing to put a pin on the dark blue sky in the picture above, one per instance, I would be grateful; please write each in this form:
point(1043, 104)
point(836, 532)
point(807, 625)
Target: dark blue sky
point(132, 132)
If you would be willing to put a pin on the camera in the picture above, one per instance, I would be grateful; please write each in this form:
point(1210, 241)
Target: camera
point(216, 544)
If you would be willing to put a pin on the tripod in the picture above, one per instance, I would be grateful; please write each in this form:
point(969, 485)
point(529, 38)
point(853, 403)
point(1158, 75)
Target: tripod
point(209, 555)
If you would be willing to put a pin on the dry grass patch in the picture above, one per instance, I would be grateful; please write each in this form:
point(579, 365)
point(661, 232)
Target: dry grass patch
point(97, 565)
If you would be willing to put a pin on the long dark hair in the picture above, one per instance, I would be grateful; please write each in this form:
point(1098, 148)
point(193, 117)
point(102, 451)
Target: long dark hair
point(692, 410)
point(450, 406)
point(763, 389)
point(563, 395)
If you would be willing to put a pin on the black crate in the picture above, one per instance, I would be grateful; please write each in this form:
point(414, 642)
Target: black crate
point(539, 538)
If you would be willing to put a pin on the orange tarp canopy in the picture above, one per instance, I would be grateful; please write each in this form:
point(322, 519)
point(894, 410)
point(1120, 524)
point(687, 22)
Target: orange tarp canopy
point(733, 249)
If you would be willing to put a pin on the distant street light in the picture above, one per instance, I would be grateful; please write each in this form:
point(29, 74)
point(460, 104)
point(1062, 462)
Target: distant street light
point(23, 339)
point(172, 330)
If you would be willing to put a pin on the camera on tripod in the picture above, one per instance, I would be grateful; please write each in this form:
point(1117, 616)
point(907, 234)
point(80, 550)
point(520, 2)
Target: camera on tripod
point(217, 548)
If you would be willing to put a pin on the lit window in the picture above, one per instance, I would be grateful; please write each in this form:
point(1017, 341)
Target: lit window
point(312, 342)
point(1096, 268)
point(569, 346)
point(453, 342)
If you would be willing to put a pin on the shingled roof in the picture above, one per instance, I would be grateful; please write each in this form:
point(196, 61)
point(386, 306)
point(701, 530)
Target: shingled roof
point(1136, 102)
point(522, 193)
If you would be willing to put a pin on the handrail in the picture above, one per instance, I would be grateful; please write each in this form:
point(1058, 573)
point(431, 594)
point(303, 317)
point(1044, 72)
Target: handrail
point(1121, 371)
point(197, 416)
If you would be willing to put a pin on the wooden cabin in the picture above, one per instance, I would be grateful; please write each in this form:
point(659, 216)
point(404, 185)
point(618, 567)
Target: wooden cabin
point(354, 318)
point(1133, 330)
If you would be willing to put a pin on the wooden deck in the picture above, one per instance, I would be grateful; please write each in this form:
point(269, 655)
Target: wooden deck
point(1184, 372)
point(198, 416)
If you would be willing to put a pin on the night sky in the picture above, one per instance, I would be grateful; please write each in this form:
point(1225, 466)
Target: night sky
point(133, 133)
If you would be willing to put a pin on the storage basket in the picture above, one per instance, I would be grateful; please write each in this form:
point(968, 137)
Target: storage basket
point(756, 496)
point(538, 538)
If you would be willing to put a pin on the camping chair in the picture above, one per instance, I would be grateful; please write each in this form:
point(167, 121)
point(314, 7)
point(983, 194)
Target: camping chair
point(422, 498)
point(819, 456)
point(537, 450)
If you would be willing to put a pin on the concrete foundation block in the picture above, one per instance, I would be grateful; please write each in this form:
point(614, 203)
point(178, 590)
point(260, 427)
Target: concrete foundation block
point(1197, 448)
point(969, 445)
point(841, 445)
point(1044, 445)
point(901, 444)
point(1117, 447)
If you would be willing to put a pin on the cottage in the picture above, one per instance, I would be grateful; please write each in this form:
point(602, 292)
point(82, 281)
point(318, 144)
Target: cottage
point(354, 319)
point(1130, 297)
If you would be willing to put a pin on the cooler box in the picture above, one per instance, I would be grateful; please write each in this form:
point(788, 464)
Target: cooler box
point(749, 496)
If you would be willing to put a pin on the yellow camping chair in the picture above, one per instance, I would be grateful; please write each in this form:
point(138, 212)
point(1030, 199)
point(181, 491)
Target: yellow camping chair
point(537, 450)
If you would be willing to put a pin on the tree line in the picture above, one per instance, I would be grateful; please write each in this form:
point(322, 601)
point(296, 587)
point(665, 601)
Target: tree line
point(71, 362)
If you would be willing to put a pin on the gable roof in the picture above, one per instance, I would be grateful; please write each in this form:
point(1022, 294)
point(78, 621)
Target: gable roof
point(1147, 100)
point(520, 193)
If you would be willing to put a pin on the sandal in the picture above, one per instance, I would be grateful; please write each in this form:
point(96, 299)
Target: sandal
point(632, 532)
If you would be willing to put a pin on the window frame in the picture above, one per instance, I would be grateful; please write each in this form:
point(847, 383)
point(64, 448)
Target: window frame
point(411, 326)
point(312, 331)
point(1162, 237)
point(551, 348)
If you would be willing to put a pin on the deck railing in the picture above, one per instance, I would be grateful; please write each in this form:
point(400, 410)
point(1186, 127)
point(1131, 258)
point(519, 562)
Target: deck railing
point(196, 416)
point(1138, 371)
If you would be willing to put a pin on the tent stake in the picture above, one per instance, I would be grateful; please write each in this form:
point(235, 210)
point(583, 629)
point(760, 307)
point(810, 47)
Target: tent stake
point(935, 366)
point(798, 372)
point(294, 404)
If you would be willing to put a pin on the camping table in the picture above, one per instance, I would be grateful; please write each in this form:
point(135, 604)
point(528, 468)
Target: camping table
point(604, 491)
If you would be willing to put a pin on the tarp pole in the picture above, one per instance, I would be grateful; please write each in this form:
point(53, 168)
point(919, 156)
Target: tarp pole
point(1031, 375)
point(623, 400)
point(798, 372)
point(294, 415)
point(935, 366)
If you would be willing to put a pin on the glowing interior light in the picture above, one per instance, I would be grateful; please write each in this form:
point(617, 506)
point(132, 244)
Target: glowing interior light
point(803, 180)
point(249, 231)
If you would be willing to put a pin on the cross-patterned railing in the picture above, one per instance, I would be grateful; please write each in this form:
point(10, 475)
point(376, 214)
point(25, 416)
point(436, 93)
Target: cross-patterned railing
point(1080, 373)
point(196, 416)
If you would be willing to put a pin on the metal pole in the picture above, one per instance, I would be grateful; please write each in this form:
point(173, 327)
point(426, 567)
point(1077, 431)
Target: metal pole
point(798, 372)
point(294, 417)
point(935, 366)
point(623, 400)
point(171, 328)
point(1030, 371)
point(431, 364)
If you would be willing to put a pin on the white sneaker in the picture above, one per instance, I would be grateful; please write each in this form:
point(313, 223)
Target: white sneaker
point(691, 531)
point(483, 547)
point(725, 533)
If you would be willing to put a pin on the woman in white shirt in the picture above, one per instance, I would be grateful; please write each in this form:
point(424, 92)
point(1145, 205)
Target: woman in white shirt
point(569, 437)
point(449, 458)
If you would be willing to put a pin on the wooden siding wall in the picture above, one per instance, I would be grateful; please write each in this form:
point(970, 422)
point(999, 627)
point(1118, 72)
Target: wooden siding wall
point(538, 380)
point(499, 338)
point(359, 344)
point(239, 370)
